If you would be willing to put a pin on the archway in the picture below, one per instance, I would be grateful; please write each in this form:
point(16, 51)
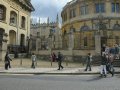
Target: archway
point(22, 40)
point(12, 37)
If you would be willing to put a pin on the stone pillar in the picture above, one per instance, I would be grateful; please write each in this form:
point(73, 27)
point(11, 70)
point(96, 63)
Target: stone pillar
point(71, 41)
point(3, 47)
point(37, 44)
point(98, 44)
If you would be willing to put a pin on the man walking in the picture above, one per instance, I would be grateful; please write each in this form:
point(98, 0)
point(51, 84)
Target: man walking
point(109, 65)
point(103, 65)
point(89, 59)
point(59, 58)
point(7, 61)
point(33, 58)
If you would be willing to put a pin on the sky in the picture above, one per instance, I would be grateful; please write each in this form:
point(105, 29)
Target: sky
point(47, 8)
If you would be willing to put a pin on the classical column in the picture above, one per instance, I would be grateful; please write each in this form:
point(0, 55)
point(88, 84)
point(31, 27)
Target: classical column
point(71, 41)
point(98, 43)
point(3, 47)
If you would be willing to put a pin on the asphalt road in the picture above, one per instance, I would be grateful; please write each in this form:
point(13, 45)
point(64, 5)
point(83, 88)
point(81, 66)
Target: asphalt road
point(47, 82)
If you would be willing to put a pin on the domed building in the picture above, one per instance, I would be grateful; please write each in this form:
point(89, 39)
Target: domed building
point(89, 24)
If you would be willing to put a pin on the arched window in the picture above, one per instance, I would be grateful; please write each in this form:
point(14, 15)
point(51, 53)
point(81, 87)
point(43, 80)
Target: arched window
point(2, 12)
point(13, 18)
point(12, 37)
point(84, 28)
point(1, 35)
point(22, 40)
point(116, 26)
point(23, 20)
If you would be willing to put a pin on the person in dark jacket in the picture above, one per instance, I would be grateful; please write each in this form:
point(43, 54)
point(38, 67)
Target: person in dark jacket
point(53, 56)
point(103, 65)
point(59, 59)
point(89, 60)
point(109, 65)
point(7, 61)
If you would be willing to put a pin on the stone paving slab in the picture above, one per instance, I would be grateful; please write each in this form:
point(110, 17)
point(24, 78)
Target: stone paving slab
point(95, 70)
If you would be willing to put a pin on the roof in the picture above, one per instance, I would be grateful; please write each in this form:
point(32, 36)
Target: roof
point(28, 4)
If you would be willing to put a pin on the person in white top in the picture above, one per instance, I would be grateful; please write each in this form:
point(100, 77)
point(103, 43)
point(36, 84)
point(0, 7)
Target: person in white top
point(33, 58)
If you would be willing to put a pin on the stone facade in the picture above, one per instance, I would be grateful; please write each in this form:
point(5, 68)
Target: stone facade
point(14, 24)
point(88, 24)
point(46, 36)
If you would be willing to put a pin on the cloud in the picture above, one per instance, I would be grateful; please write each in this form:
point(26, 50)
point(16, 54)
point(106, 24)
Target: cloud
point(48, 8)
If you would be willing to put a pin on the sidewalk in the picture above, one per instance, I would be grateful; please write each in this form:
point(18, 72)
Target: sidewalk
point(53, 71)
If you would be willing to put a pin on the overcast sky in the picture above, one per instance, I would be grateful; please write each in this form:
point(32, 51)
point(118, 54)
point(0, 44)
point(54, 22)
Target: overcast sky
point(47, 8)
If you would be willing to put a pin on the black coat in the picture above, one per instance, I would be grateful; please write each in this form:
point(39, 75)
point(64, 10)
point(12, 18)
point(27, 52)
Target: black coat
point(103, 60)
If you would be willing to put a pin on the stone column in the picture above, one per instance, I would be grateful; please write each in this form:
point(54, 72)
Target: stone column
point(71, 41)
point(3, 47)
point(98, 44)
point(37, 44)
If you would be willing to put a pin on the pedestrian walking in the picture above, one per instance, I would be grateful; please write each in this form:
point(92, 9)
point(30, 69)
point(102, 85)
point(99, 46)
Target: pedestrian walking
point(53, 56)
point(109, 65)
point(60, 59)
point(88, 61)
point(7, 61)
point(103, 71)
point(116, 51)
point(33, 58)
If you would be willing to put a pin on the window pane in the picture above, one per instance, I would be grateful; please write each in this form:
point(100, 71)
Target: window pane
point(86, 9)
point(82, 10)
point(117, 7)
point(113, 7)
point(1, 13)
point(102, 7)
point(97, 8)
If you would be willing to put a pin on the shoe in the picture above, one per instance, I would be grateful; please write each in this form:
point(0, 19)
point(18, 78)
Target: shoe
point(85, 70)
point(90, 70)
point(105, 76)
point(62, 67)
point(112, 74)
point(58, 69)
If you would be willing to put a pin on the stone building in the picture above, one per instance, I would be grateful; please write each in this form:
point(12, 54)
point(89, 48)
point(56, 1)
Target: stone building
point(88, 24)
point(14, 25)
point(46, 36)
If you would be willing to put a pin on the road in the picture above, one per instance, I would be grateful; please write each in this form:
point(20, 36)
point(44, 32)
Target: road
point(57, 82)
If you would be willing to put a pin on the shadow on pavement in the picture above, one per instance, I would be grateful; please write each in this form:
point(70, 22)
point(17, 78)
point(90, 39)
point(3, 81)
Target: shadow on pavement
point(95, 78)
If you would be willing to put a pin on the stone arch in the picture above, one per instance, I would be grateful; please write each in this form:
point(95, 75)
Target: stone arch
point(12, 37)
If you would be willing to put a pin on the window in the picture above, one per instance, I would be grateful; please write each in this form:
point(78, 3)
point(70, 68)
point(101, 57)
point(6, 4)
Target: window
point(2, 12)
point(23, 20)
point(38, 33)
point(65, 16)
point(13, 18)
point(115, 7)
point(100, 7)
point(85, 41)
point(72, 13)
point(84, 10)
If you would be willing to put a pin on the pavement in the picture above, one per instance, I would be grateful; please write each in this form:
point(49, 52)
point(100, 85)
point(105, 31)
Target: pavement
point(53, 71)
